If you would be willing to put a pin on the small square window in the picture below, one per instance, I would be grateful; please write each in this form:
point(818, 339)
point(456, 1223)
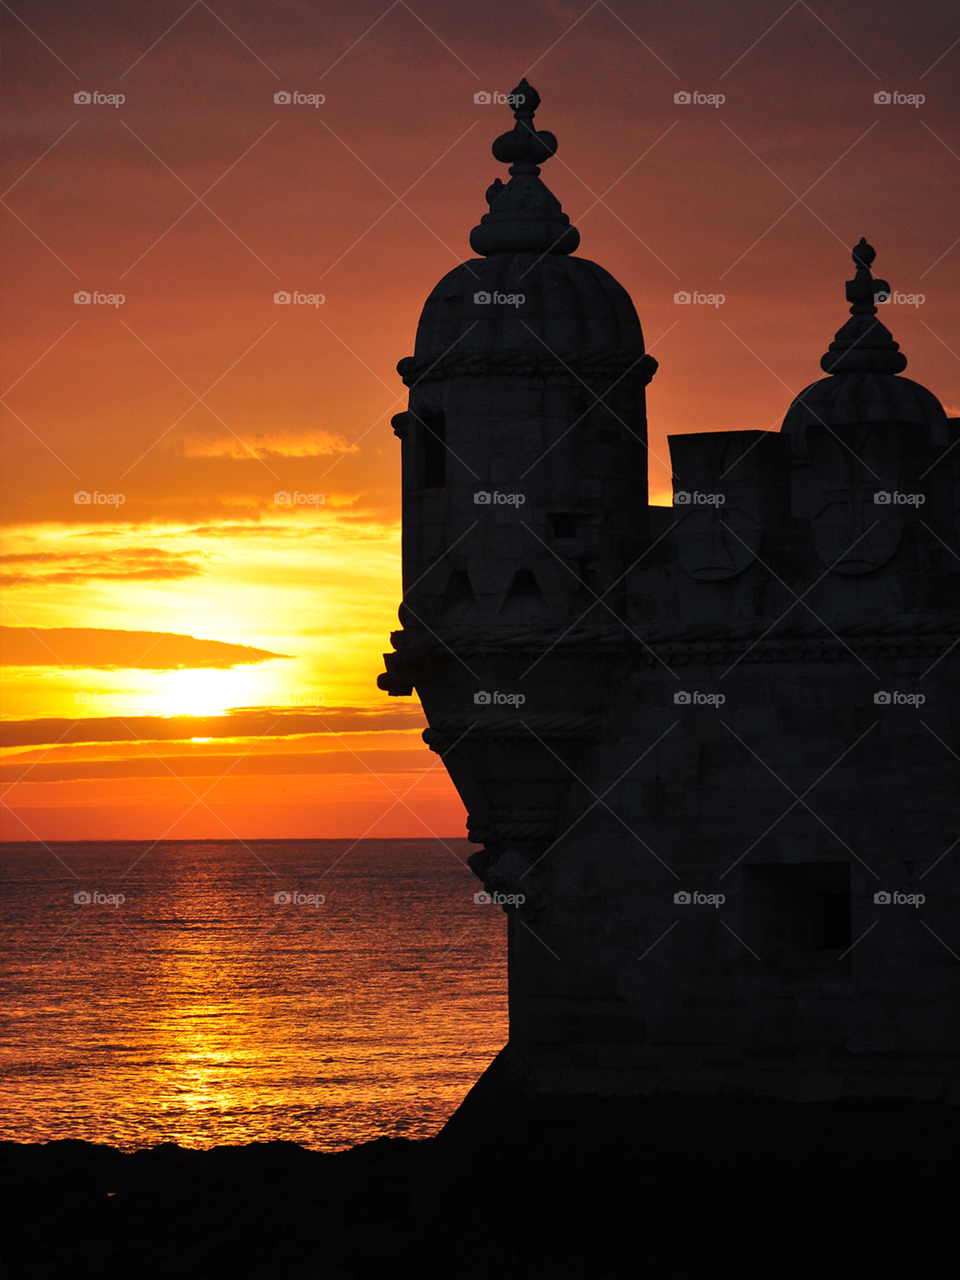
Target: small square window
point(799, 909)
point(564, 525)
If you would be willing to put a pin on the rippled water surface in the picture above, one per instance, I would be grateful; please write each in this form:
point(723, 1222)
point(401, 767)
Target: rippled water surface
point(201, 1011)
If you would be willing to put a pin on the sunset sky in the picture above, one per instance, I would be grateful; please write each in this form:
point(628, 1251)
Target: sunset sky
point(199, 660)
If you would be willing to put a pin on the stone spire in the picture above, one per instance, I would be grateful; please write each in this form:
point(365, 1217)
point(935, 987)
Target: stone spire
point(864, 345)
point(525, 216)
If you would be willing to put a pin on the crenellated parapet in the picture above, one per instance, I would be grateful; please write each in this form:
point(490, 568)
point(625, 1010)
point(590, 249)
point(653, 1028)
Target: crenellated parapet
point(855, 511)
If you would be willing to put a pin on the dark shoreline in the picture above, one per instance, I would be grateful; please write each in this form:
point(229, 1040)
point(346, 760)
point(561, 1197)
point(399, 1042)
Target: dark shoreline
point(576, 1189)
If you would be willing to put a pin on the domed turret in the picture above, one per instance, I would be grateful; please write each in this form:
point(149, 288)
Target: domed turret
point(863, 362)
point(527, 393)
point(560, 308)
point(524, 506)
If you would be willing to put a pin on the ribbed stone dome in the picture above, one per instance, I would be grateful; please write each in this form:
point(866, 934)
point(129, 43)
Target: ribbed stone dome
point(863, 363)
point(863, 397)
point(527, 299)
point(571, 307)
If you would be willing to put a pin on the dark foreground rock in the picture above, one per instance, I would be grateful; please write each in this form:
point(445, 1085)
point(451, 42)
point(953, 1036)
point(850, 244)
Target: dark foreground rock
point(585, 1189)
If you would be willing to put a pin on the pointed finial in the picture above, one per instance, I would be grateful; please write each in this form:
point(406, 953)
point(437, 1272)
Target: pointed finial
point(523, 148)
point(863, 291)
point(524, 216)
point(864, 345)
point(863, 254)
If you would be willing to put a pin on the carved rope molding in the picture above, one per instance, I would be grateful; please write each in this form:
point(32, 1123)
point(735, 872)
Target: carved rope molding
point(514, 725)
point(907, 634)
point(483, 364)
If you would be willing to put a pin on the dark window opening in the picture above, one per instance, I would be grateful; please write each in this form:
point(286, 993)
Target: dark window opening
point(799, 908)
point(434, 429)
point(564, 525)
point(524, 598)
point(458, 599)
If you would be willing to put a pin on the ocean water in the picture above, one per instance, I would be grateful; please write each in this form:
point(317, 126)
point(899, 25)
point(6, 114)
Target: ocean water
point(202, 1011)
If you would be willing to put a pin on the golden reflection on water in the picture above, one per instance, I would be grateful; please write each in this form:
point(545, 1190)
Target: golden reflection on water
point(200, 1011)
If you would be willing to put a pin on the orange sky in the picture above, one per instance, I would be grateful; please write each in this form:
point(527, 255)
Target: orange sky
point(197, 399)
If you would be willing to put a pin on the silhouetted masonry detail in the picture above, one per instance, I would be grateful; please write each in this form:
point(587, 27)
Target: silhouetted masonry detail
point(720, 757)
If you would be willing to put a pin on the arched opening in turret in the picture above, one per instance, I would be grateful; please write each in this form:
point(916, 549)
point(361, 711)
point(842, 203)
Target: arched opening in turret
point(433, 430)
point(458, 599)
point(524, 599)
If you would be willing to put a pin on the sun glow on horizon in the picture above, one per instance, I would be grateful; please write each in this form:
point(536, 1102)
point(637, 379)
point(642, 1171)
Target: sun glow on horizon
point(201, 692)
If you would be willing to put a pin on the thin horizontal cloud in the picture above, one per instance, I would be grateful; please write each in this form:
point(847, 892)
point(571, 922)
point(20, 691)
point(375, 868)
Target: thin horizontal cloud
point(217, 764)
point(94, 648)
point(267, 445)
point(134, 564)
point(243, 722)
